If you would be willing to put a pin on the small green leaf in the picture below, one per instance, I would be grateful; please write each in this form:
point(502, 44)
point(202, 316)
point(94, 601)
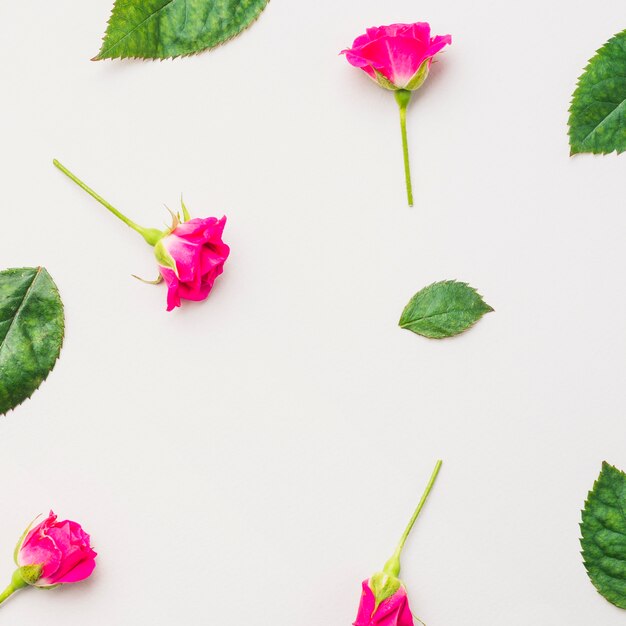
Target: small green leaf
point(160, 29)
point(443, 310)
point(597, 121)
point(604, 535)
point(31, 332)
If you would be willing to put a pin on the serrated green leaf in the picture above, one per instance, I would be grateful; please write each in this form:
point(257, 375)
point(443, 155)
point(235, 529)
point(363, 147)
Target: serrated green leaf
point(604, 535)
point(597, 121)
point(443, 309)
point(160, 29)
point(31, 332)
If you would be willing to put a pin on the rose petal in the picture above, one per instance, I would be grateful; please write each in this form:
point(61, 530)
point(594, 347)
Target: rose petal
point(201, 230)
point(83, 570)
point(41, 550)
point(173, 297)
point(396, 51)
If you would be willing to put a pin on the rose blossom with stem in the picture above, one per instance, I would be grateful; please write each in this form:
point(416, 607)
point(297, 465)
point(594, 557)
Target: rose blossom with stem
point(190, 254)
point(384, 600)
point(398, 58)
point(50, 554)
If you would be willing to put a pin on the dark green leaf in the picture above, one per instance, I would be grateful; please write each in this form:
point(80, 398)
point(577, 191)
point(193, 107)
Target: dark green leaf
point(443, 310)
point(597, 121)
point(31, 332)
point(604, 535)
point(159, 29)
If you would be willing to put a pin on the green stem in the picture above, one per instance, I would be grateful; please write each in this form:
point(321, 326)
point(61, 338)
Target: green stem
point(17, 582)
point(393, 564)
point(9, 591)
point(151, 235)
point(403, 98)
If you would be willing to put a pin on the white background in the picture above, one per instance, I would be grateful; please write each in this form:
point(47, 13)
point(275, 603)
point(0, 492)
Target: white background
point(250, 459)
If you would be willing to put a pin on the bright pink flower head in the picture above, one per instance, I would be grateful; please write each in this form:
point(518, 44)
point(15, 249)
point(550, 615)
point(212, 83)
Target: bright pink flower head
point(61, 549)
point(191, 257)
point(397, 56)
point(392, 611)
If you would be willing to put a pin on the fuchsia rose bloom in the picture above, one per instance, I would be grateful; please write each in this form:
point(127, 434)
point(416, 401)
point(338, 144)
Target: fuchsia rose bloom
point(191, 253)
point(393, 611)
point(384, 601)
point(397, 56)
point(191, 257)
point(61, 550)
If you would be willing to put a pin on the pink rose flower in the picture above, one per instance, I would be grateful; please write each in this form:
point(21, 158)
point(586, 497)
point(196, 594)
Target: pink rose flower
point(50, 554)
point(61, 549)
point(394, 611)
point(190, 258)
point(190, 254)
point(398, 57)
point(401, 53)
point(384, 600)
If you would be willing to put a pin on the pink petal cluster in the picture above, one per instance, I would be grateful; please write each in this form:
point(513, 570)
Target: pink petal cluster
point(199, 254)
point(394, 611)
point(62, 549)
point(396, 51)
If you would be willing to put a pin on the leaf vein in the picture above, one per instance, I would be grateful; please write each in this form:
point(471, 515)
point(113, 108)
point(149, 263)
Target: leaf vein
point(3, 343)
point(604, 120)
point(137, 26)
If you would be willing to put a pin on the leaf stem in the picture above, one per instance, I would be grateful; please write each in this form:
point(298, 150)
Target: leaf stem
point(393, 564)
point(403, 97)
point(151, 235)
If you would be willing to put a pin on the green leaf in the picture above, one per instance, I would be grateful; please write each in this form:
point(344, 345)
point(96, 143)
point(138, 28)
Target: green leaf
point(31, 332)
point(160, 29)
point(604, 535)
point(443, 310)
point(597, 121)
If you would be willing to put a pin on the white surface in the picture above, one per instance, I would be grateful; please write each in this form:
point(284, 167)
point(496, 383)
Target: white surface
point(250, 459)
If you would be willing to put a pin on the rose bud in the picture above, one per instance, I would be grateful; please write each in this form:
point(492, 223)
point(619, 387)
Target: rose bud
point(191, 257)
point(50, 554)
point(398, 57)
point(384, 600)
point(190, 253)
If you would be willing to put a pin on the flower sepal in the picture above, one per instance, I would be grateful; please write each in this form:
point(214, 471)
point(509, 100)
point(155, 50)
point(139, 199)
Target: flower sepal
point(163, 257)
point(417, 80)
point(384, 82)
point(414, 83)
point(27, 575)
point(383, 586)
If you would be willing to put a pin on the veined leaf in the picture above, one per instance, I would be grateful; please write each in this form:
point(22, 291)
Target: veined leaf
point(31, 332)
point(160, 29)
point(443, 310)
point(597, 121)
point(604, 535)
